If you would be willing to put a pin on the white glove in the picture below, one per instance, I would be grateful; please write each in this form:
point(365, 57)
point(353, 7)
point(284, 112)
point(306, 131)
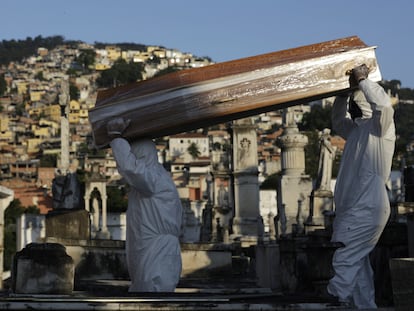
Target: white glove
point(117, 126)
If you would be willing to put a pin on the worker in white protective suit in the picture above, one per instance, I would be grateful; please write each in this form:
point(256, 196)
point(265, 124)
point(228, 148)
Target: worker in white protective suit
point(362, 206)
point(153, 215)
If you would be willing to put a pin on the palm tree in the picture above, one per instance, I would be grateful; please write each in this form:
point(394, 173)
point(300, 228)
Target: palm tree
point(193, 150)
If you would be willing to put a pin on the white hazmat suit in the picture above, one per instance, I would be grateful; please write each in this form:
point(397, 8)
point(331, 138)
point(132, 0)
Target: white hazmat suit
point(361, 202)
point(153, 218)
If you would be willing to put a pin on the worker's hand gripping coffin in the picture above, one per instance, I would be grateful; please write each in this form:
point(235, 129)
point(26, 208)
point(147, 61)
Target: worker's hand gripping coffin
point(200, 97)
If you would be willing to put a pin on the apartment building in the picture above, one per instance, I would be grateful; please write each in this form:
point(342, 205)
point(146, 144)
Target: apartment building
point(179, 146)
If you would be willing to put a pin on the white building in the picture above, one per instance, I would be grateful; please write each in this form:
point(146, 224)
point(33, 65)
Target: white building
point(179, 144)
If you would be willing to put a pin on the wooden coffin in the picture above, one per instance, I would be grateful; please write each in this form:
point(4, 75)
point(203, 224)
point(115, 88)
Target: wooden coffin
point(200, 97)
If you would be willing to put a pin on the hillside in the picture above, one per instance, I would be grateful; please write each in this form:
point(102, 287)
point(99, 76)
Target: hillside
point(17, 50)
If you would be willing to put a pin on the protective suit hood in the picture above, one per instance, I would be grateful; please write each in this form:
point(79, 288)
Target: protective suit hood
point(145, 150)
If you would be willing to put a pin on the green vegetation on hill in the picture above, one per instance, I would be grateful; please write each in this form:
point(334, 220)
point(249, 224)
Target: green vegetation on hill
point(120, 73)
point(395, 88)
point(16, 50)
point(404, 116)
point(123, 46)
point(3, 85)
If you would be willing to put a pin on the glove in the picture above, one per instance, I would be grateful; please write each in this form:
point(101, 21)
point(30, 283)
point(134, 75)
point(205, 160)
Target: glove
point(116, 127)
point(360, 73)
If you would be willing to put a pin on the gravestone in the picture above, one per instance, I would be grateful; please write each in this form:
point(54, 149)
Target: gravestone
point(246, 182)
point(68, 224)
point(43, 268)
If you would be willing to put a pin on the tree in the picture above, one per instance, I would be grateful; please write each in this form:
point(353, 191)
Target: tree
point(3, 85)
point(39, 76)
point(167, 70)
point(312, 153)
point(48, 160)
point(312, 123)
point(16, 50)
point(86, 59)
point(73, 92)
point(32, 209)
point(394, 86)
point(270, 182)
point(403, 116)
point(154, 60)
point(117, 200)
point(317, 119)
point(193, 150)
point(123, 45)
point(120, 73)
point(72, 72)
point(12, 212)
point(20, 109)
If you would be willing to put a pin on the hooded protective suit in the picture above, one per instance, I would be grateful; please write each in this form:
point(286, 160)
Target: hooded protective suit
point(361, 201)
point(153, 218)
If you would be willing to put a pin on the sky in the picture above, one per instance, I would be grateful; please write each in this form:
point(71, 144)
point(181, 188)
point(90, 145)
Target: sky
point(224, 29)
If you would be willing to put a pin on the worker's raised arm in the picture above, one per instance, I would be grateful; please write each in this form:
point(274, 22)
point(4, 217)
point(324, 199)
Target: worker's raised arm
point(380, 102)
point(135, 171)
point(375, 93)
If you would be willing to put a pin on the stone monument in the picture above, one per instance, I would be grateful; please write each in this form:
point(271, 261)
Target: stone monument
point(67, 219)
point(207, 214)
point(96, 202)
point(294, 186)
point(223, 201)
point(6, 196)
point(43, 268)
point(321, 200)
point(246, 222)
point(65, 186)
